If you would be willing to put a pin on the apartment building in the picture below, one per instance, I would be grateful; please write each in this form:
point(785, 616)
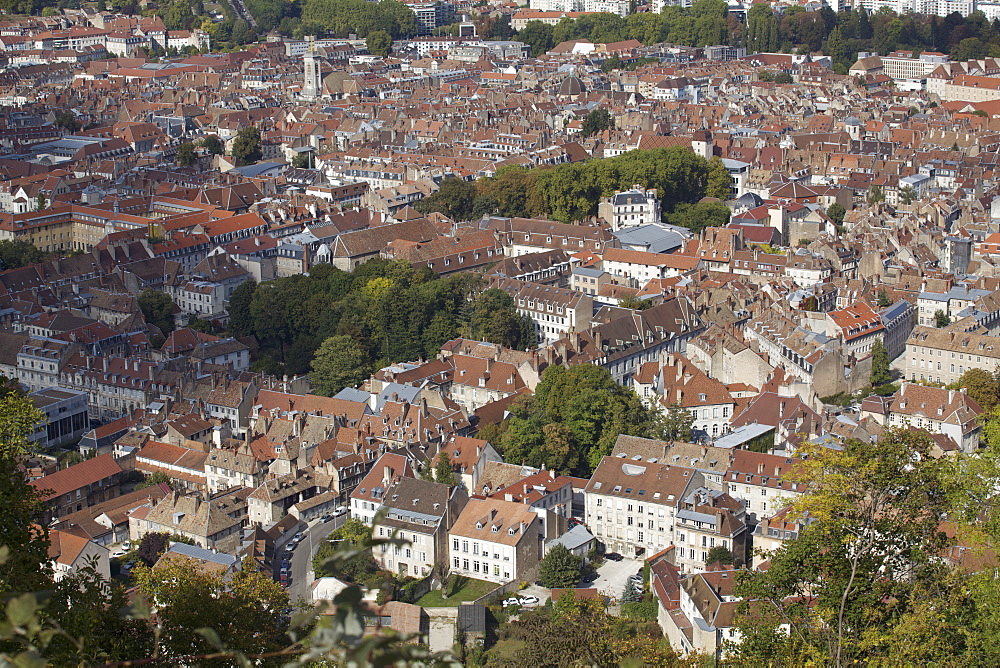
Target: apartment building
point(760, 481)
point(631, 208)
point(554, 312)
point(707, 519)
point(943, 355)
point(632, 503)
point(495, 540)
point(420, 512)
point(938, 411)
point(368, 497)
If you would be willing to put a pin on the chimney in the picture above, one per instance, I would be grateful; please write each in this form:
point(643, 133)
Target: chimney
point(680, 394)
point(387, 475)
point(104, 363)
point(777, 471)
point(760, 468)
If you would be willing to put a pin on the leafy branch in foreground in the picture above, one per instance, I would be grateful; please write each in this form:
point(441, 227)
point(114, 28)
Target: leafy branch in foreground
point(246, 620)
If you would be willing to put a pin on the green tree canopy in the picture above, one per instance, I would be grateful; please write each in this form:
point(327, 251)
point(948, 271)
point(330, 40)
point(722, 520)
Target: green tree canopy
point(877, 509)
point(572, 420)
point(597, 120)
point(559, 568)
point(538, 36)
point(26, 566)
point(240, 319)
point(379, 43)
point(19, 253)
point(340, 362)
point(158, 309)
point(212, 144)
point(444, 473)
point(247, 147)
point(185, 154)
point(881, 373)
point(982, 386)
point(836, 211)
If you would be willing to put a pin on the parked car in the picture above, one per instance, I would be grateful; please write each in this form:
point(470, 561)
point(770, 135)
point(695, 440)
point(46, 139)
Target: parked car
point(513, 600)
point(340, 510)
point(127, 568)
point(326, 518)
point(118, 554)
point(127, 546)
point(297, 538)
point(613, 556)
point(588, 578)
point(528, 600)
point(635, 578)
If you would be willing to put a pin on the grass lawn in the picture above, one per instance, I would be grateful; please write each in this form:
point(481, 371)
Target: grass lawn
point(460, 589)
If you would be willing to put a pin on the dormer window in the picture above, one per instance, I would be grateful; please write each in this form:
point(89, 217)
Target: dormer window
point(479, 525)
point(496, 529)
point(512, 531)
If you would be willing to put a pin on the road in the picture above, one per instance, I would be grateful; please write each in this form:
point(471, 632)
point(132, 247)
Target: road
point(301, 571)
point(612, 575)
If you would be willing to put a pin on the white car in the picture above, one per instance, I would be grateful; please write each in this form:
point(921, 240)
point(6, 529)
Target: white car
point(513, 600)
point(117, 554)
point(127, 546)
point(528, 600)
point(341, 510)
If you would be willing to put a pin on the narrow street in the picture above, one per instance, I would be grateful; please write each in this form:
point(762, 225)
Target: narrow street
point(301, 563)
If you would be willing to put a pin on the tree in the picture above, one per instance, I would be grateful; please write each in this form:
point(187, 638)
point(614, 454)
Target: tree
point(247, 147)
point(907, 194)
point(596, 121)
point(982, 387)
point(67, 120)
point(836, 212)
point(155, 478)
point(941, 319)
point(185, 154)
point(634, 303)
point(718, 183)
point(158, 309)
point(26, 565)
point(152, 546)
point(18, 253)
point(876, 509)
point(444, 473)
point(876, 195)
point(340, 362)
point(674, 424)
point(87, 609)
point(719, 554)
point(762, 30)
point(883, 299)
point(245, 612)
point(243, 621)
point(453, 199)
point(783, 78)
point(212, 144)
point(538, 36)
point(301, 160)
point(559, 568)
point(880, 364)
point(572, 420)
point(240, 320)
point(495, 319)
point(379, 43)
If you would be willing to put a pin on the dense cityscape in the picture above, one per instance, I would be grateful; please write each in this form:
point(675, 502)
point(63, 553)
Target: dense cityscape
point(575, 333)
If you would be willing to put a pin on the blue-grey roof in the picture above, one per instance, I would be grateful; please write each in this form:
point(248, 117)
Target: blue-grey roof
point(572, 539)
point(196, 552)
point(653, 238)
point(587, 271)
point(351, 394)
point(741, 435)
point(405, 393)
point(895, 310)
point(258, 169)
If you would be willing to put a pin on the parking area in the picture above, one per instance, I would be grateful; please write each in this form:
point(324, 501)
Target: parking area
point(611, 576)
